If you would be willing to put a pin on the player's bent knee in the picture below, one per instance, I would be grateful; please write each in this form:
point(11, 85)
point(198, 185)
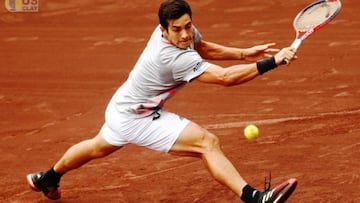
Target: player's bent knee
point(195, 139)
point(210, 142)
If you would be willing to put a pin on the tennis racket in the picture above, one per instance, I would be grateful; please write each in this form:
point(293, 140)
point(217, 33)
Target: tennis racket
point(312, 18)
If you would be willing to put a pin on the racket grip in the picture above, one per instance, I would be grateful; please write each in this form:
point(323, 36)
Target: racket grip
point(295, 45)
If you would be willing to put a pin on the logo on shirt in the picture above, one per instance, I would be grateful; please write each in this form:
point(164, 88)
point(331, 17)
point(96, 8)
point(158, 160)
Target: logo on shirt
point(197, 66)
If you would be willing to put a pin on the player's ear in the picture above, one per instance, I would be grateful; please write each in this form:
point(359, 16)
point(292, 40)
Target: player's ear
point(162, 28)
point(163, 31)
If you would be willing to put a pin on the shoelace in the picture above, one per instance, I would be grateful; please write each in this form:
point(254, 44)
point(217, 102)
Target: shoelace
point(267, 184)
point(267, 190)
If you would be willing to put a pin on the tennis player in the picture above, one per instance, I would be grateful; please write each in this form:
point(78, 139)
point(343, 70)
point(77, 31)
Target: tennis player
point(174, 56)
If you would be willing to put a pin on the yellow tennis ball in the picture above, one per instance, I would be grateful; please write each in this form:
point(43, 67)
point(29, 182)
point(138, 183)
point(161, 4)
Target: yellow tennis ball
point(251, 132)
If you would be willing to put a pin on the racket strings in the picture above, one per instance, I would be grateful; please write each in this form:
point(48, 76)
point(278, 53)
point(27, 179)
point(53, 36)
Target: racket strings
point(316, 15)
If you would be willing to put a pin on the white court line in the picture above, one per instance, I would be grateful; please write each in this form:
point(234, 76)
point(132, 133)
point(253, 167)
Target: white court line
point(278, 120)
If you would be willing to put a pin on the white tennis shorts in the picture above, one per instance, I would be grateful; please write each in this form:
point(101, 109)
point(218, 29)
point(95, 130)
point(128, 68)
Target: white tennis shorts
point(158, 134)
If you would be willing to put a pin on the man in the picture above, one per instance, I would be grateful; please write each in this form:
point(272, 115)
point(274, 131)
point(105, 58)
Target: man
point(173, 57)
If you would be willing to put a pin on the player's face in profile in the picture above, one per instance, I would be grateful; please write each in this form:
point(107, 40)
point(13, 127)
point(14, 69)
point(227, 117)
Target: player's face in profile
point(180, 32)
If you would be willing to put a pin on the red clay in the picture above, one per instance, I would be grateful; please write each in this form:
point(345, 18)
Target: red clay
point(60, 66)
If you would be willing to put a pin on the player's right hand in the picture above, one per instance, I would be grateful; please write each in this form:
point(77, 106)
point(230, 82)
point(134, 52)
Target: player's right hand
point(286, 54)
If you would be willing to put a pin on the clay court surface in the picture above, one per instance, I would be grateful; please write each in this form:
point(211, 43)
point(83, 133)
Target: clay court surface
point(60, 66)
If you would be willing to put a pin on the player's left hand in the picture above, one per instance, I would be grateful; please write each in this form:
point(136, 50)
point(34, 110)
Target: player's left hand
point(259, 51)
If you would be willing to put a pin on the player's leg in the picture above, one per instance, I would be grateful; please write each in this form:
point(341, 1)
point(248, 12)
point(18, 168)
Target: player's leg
point(76, 156)
point(83, 152)
point(196, 140)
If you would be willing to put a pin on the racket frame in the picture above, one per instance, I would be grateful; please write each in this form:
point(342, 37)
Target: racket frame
point(299, 39)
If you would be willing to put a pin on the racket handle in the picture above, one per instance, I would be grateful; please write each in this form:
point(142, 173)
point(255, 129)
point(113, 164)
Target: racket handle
point(296, 44)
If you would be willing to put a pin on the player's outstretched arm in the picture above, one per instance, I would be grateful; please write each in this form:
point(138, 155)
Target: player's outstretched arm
point(238, 74)
point(229, 76)
point(214, 51)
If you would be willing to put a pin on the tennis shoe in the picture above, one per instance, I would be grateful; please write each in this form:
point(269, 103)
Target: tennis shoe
point(279, 194)
point(37, 183)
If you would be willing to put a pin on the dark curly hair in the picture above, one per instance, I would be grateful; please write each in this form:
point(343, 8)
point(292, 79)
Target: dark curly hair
point(172, 9)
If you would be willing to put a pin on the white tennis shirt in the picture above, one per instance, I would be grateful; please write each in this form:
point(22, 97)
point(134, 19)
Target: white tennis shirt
point(160, 71)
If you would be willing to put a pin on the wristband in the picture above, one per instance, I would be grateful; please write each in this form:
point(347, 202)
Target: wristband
point(265, 65)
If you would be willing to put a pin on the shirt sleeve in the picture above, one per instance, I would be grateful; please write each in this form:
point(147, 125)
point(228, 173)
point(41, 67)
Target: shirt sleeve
point(189, 65)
